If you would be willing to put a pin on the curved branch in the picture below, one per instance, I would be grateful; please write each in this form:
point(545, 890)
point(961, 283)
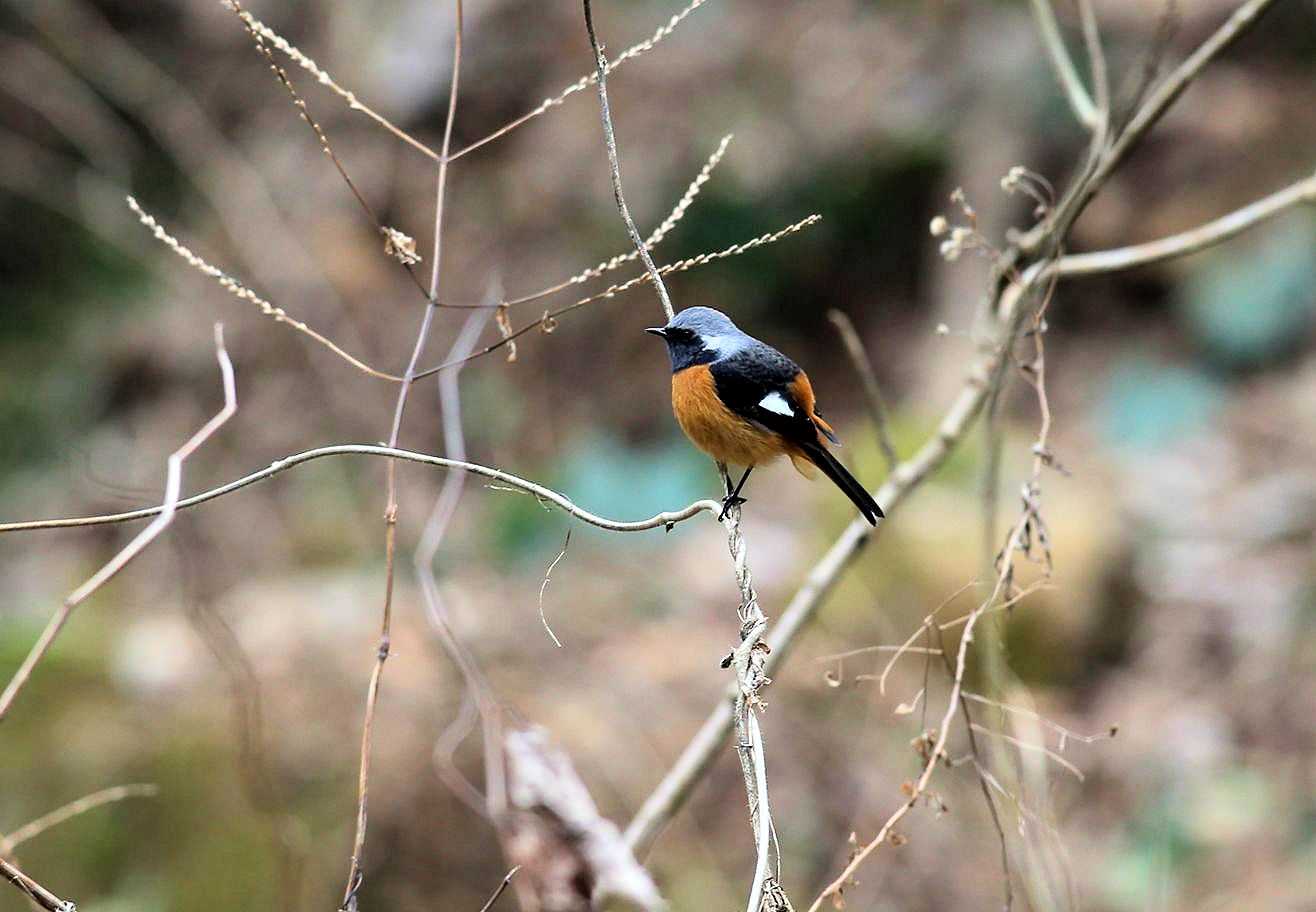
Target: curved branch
point(1061, 61)
point(164, 516)
point(561, 501)
point(1191, 241)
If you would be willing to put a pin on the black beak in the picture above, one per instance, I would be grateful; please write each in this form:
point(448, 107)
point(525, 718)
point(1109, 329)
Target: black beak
point(657, 331)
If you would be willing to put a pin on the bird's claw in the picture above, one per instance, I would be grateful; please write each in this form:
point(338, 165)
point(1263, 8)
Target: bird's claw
point(731, 500)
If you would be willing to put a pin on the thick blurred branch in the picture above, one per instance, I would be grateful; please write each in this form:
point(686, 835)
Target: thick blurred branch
point(854, 347)
point(1109, 155)
point(1191, 241)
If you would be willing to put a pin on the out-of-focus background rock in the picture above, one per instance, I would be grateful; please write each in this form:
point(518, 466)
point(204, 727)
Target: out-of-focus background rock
point(1185, 401)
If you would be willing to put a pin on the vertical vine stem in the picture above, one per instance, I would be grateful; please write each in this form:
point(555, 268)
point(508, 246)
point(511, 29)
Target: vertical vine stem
point(355, 875)
point(609, 137)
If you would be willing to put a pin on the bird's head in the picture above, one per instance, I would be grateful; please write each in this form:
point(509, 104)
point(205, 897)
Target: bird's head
point(700, 335)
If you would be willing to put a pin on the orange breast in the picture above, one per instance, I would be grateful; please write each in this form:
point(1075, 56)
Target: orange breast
point(713, 427)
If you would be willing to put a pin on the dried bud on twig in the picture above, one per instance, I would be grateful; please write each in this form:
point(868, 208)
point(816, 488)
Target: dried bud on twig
point(400, 247)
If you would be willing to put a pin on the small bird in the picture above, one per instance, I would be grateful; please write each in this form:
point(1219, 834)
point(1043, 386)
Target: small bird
point(744, 403)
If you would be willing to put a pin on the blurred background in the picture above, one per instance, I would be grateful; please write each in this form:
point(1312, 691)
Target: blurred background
point(229, 664)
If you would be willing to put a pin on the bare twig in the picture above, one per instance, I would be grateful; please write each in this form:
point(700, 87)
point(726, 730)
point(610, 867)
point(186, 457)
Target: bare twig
point(1025, 745)
point(1097, 62)
point(936, 752)
point(11, 841)
point(397, 245)
point(306, 63)
point(549, 320)
point(659, 233)
point(601, 68)
point(1157, 102)
point(498, 891)
point(1066, 734)
point(164, 515)
point(1191, 241)
point(584, 82)
point(1075, 92)
point(854, 347)
point(548, 574)
point(237, 289)
point(355, 872)
point(476, 696)
point(33, 890)
point(541, 493)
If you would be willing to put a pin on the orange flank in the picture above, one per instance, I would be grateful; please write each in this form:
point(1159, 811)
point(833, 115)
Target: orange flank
point(713, 427)
point(726, 436)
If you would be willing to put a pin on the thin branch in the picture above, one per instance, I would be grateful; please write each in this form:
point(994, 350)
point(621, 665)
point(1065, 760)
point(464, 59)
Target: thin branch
point(762, 815)
point(476, 697)
point(1162, 96)
point(548, 321)
point(854, 347)
point(548, 574)
point(605, 114)
point(584, 82)
point(237, 289)
point(164, 515)
point(1191, 241)
point(541, 493)
point(1065, 734)
point(397, 245)
point(1075, 92)
point(498, 891)
point(868, 650)
point(1097, 61)
point(937, 751)
point(983, 776)
point(659, 233)
point(33, 890)
point(355, 873)
point(35, 828)
point(321, 76)
point(1039, 748)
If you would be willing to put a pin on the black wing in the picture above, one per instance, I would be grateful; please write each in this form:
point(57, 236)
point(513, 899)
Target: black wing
point(757, 384)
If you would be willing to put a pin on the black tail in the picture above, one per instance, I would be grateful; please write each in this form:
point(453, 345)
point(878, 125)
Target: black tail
point(833, 469)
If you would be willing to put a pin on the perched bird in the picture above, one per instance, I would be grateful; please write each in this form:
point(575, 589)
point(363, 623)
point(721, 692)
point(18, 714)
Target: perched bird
point(744, 403)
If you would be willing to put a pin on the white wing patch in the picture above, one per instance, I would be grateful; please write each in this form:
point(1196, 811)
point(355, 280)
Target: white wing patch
point(776, 403)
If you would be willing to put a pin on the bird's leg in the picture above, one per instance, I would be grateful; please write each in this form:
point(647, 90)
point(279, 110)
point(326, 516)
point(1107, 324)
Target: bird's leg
point(733, 498)
point(726, 475)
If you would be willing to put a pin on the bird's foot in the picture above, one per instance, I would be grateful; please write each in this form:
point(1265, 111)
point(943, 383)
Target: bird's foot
point(731, 500)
